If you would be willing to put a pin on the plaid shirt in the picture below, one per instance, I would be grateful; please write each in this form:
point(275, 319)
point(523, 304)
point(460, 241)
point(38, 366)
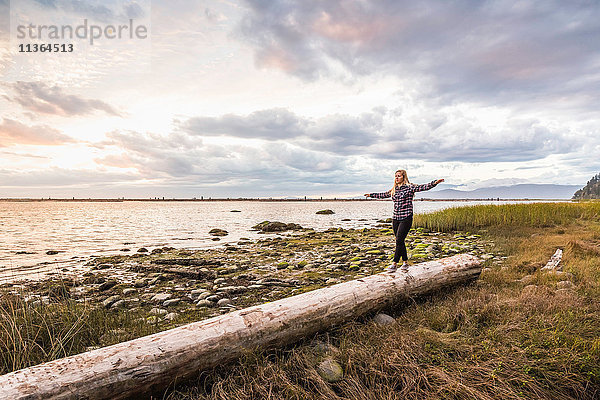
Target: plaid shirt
point(403, 198)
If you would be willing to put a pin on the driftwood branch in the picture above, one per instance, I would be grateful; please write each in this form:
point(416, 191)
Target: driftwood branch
point(151, 363)
point(554, 263)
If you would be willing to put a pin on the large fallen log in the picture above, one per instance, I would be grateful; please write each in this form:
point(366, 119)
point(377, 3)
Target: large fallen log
point(151, 363)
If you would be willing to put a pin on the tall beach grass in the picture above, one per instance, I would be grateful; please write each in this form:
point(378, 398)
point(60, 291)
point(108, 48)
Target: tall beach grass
point(535, 215)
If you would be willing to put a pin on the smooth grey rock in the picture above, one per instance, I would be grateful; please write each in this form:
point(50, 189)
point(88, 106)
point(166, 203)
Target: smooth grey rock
point(107, 285)
point(527, 279)
point(204, 295)
point(325, 212)
point(171, 316)
point(118, 304)
point(161, 297)
point(564, 285)
point(383, 319)
point(110, 301)
point(171, 302)
point(224, 303)
point(205, 303)
point(232, 289)
point(256, 286)
point(321, 348)
point(140, 283)
point(158, 311)
point(330, 370)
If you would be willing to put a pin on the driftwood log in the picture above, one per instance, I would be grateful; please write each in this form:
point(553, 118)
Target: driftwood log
point(151, 363)
point(554, 263)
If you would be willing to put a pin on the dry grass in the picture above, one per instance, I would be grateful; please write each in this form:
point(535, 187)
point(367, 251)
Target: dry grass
point(33, 333)
point(497, 338)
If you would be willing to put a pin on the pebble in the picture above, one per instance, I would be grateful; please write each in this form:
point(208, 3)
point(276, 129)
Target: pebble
point(171, 316)
point(118, 304)
point(161, 297)
point(321, 348)
point(529, 289)
point(107, 285)
point(128, 291)
point(330, 370)
point(564, 285)
point(205, 303)
point(110, 301)
point(256, 286)
point(232, 289)
point(224, 303)
point(171, 302)
point(527, 279)
point(383, 319)
point(158, 311)
point(140, 283)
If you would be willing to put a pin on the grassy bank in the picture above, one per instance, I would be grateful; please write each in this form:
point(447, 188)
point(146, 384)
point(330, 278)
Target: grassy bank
point(515, 333)
point(511, 335)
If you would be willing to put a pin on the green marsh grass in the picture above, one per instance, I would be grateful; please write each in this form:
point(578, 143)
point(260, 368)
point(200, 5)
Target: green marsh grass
point(532, 215)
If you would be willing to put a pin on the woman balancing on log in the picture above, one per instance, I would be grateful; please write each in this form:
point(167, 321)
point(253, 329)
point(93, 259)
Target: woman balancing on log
point(402, 193)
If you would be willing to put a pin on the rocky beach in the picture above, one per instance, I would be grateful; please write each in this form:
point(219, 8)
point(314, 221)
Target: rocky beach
point(165, 287)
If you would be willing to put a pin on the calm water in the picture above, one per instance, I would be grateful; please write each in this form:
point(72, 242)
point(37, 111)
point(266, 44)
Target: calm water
point(78, 230)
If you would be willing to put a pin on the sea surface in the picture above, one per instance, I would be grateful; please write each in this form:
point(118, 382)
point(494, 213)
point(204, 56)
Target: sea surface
point(78, 230)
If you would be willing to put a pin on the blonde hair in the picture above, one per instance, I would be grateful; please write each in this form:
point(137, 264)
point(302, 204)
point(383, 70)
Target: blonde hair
point(405, 181)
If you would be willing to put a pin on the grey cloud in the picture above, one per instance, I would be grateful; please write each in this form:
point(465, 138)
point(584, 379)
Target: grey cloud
point(341, 134)
point(96, 10)
point(383, 133)
point(13, 132)
point(520, 140)
point(4, 20)
point(157, 156)
point(60, 177)
point(273, 124)
point(134, 10)
point(469, 48)
point(42, 98)
point(47, 3)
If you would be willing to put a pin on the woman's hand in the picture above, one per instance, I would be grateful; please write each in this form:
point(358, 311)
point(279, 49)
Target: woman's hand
point(439, 181)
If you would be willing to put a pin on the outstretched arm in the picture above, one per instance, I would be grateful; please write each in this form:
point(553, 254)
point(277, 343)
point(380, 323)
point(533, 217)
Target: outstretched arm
point(427, 186)
point(381, 195)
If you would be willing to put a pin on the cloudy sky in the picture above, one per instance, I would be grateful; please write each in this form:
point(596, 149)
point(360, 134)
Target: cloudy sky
point(249, 98)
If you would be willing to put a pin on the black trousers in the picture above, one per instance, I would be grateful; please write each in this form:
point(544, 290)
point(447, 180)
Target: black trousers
point(401, 228)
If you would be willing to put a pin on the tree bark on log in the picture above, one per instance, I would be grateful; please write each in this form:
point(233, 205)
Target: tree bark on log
point(151, 363)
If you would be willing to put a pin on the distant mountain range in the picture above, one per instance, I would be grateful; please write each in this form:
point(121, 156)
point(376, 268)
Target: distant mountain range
point(523, 191)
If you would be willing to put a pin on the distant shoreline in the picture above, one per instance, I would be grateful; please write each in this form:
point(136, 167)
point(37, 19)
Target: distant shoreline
point(164, 199)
